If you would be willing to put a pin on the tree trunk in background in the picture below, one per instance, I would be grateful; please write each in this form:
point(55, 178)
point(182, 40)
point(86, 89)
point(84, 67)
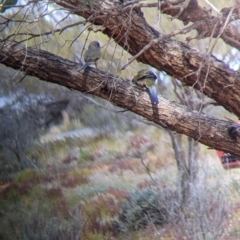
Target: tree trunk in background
point(187, 162)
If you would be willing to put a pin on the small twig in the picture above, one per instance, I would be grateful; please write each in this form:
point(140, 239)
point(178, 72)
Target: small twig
point(149, 171)
point(162, 38)
point(222, 28)
point(21, 79)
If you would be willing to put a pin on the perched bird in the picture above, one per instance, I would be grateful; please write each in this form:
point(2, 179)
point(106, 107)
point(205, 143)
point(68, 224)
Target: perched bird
point(147, 79)
point(92, 55)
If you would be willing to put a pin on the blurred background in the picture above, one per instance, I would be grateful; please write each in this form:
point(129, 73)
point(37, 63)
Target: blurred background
point(73, 166)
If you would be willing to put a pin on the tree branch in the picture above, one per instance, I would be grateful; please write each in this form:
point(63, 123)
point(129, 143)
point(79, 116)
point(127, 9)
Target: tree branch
point(205, 73)
point(210, 25)
point(49, 67)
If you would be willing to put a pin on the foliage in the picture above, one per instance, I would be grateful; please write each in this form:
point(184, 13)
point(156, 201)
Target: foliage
point(96, 236)
point(34, 211)
point(141, 208)
point(85, 155)
point(27, 221)
point(22, 123)
point(79, 172)
point(28, 176)
point(206, 213)
point(76, 177)
point(17, 134)
point(100, 212)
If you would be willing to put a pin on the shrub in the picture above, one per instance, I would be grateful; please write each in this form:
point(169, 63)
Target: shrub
point(99, 214)
point(27, 176)
point(74, 182)
point(96, 236)
point(56, 201)
point(141, 208)
point(30, 222)
point(84, 155)
point(77, 175)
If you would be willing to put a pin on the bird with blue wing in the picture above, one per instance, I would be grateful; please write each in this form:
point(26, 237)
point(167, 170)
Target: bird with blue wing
point(92, 55)
point(147, 79)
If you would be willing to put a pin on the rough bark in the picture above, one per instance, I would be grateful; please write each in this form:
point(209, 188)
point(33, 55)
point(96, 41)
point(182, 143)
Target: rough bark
point(130, 30)
point(209, 25)
point(49, 67)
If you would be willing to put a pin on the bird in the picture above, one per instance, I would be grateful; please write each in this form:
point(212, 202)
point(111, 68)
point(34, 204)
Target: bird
point(147, 79)
point(92, 55)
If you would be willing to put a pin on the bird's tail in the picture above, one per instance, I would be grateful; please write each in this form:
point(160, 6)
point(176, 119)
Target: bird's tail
point(152, 91)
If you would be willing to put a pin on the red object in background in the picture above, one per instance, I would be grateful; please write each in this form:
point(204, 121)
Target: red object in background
point(228, 160)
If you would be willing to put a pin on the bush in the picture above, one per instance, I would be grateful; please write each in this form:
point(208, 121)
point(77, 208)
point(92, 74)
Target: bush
point(141, 208)
point(29, 175)
point(29, 222)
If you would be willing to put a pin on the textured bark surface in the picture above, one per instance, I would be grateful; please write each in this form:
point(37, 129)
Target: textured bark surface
point(209, 25)
point(207, 130)
point(130, 30)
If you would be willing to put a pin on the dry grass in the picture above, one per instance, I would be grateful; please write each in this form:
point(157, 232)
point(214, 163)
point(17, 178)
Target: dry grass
point(103, 178)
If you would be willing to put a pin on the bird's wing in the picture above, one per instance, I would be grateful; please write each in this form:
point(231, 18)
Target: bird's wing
point(92, 55)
